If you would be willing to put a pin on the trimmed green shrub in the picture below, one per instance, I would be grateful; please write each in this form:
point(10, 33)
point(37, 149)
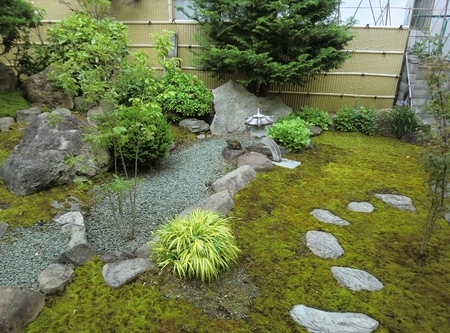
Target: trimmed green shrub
point(291, 132)
point(404, 119)
point(314, 116)
point(197, 246)
point(357, 119)
point(184, 96)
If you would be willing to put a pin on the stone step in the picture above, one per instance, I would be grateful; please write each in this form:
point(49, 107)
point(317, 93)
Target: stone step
point(323, 244)
point(356, 279)
point(326, 216)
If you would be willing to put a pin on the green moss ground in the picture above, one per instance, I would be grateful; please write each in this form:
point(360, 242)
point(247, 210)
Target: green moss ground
point(273, 215)
point(10, 102)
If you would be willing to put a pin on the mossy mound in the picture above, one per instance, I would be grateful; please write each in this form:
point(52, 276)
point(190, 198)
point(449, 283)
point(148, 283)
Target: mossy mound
point(273, 216)
point(11, 102)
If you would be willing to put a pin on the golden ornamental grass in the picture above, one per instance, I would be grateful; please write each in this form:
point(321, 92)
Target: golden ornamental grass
point(197, 246)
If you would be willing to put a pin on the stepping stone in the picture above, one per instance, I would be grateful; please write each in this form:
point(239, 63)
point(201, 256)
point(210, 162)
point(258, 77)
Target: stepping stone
point(355, 279)
point(317, 321)
point(362, 207)
point(328, 217)
point(119, 273)
point(323, 244)
point(70, 218)
point(398, 201)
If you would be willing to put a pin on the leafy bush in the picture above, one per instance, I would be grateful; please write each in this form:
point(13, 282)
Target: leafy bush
point(314, 116)
point(357, 119)
point(135, 79)
point(84, 53)
point(197, 246)
point(184, 96)
point(404, 119)
point(291, 132)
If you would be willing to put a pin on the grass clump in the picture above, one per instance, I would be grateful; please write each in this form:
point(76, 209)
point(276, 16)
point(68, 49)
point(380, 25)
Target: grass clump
point(11, 102)
point(196, 246)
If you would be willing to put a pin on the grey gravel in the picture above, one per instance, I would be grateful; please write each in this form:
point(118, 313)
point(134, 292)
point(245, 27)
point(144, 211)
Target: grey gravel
point(181, 181)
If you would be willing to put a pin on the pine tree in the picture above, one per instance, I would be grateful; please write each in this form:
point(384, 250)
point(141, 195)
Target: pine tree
point(269, 41)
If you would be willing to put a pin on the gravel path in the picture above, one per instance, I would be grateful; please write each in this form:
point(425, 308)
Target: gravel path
point(180, 182)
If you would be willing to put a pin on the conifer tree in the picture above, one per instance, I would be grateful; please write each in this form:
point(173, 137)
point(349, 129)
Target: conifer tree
point(269, 41)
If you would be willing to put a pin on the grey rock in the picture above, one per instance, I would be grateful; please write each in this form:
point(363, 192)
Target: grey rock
point(113, 256)
point(70, 218)
point(220, 202)
point(259, 162)
point(201, 136)
point(39, 160)
point(356, 279)
point(144, 251)
point(328, 217)
point(54, 278)
point(8, 79)
point(230, 154)
point(323, 244)
point(235, 180)
point(398, 201)
point(194, 125)
point(317, 321)
point(232, 103)
point(18, 307)
point(412, 138)
point(362, 207)
point(76, 255)
point(80, 104)
point(119, 273)
point(447, 217)
point(77, 234)
point(263, 149)
point(3, 227)
point(28, 115)
point(62, 112)
point(97, 111)
point(316, 130)
point(40, 90)
point(6, 123)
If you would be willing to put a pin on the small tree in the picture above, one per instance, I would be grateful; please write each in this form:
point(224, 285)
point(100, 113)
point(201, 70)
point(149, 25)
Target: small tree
point(437, 151)
point(280, 41)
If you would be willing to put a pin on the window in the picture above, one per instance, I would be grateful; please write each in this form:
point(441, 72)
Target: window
point(422, 11)
point(178, 14)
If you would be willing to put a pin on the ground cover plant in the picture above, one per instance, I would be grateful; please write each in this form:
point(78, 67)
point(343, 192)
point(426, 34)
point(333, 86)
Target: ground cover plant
point(271, 217)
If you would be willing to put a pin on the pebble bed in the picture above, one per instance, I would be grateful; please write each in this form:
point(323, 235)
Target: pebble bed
point(181, 181)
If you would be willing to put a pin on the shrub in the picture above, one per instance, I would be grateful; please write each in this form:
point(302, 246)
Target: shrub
point(357, 119)
point(197, 246)
point(184, 96)
point(84, 52)
point(135, 79)
point(404, 119)
point(314, 116)
point(291, 132)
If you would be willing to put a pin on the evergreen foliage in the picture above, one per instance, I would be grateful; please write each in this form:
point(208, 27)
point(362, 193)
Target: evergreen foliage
point(267, 42)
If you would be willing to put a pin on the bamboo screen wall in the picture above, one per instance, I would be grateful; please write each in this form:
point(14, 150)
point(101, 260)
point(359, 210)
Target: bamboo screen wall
point(371, 74)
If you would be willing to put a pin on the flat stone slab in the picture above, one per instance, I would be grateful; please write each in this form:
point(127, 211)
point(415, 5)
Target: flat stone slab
point(235, 180)
point(259, 162)
point(117, 274)
point(356, 279)
point(54, 278)
point(71, 218)
point(398, 201)
point(328, 217)
point(323, 244)
point(361, 207)
point(317, 321)
point(285, 163)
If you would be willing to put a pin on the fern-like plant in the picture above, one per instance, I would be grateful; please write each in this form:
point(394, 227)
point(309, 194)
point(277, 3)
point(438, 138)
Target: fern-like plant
point(197, 246)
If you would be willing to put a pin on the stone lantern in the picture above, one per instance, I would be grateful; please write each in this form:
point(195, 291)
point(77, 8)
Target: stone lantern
point(258, 124)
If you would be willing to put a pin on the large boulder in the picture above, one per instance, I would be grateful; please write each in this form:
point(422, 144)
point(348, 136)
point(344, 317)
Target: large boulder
point(8, 79)
point(232, 103)
point(18, 307)
point(39, 161)
point(41, 91)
